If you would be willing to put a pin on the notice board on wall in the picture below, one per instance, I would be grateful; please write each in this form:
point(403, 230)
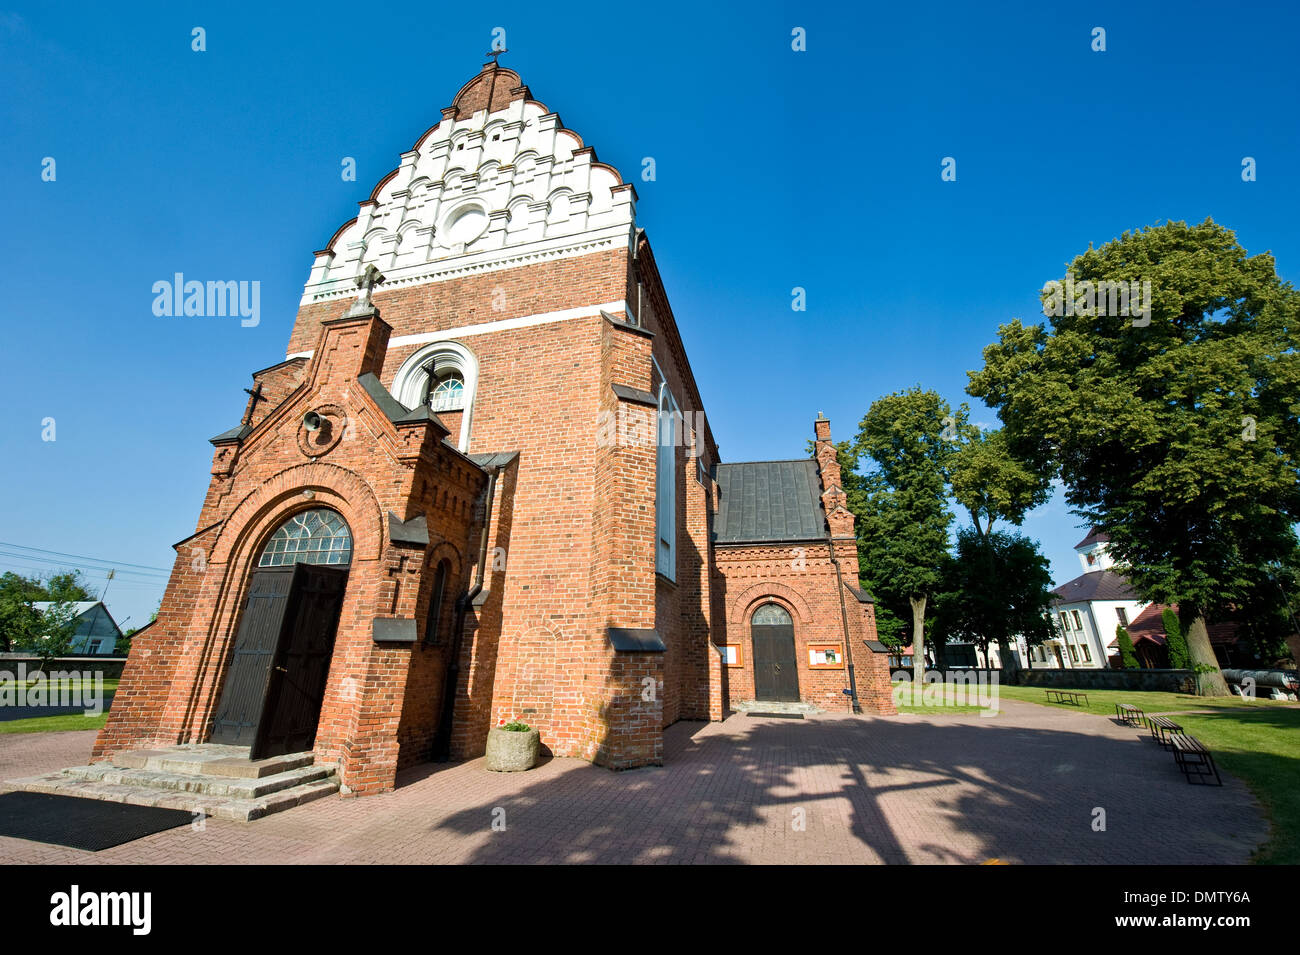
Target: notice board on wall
point(826, 656)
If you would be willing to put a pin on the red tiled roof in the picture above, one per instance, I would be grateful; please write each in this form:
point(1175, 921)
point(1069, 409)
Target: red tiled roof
point(1150, 625)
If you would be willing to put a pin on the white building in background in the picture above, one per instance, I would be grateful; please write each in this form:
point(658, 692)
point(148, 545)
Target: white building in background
point(1087, 609)
point(95, 632)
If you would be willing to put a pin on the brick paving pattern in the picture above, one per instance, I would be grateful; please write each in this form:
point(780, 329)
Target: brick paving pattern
point(1020, 787)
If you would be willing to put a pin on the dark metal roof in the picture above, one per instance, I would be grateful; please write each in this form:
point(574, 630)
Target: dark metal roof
point(397, 412)
point(636, 395)
point(494, 459)
point(237, 433)
point(636, 641)
point(765, 501)
point(877, 647)
point(393, 630)
point(415, 531)
point(1096, 585)
point(864, 596)
point(1096, 535)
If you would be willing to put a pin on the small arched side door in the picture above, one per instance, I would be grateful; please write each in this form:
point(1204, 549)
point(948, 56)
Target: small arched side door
point(776, 672)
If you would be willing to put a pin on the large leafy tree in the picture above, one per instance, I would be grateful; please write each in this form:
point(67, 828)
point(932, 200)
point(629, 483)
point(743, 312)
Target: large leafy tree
point(53, 636)
point(992, 483)
point(18, 618)
point(868, 500)
point(1268, 615)
point(21, 625)
point(910, 437)
point(1177, 430)
point(996, 587)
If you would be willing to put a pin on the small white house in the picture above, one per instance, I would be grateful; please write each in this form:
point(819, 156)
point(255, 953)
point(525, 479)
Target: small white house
point(1087, 609)
point(96, 632)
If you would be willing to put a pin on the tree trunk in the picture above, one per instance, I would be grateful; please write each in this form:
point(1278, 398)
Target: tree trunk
point(1210, 683)
point(1007, 656)
point(918, 640)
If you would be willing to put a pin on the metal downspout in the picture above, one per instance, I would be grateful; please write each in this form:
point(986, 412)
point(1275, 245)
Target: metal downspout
point(855, 705)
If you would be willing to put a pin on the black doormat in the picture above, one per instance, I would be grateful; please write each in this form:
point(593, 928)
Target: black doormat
point(89, 824)
point(778, 716)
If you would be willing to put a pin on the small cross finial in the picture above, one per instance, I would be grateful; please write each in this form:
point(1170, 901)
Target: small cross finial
point(366, 282)
point(496, 52)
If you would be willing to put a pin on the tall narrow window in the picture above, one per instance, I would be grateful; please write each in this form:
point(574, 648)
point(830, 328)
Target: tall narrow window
point(432, 634)
point(666, 485)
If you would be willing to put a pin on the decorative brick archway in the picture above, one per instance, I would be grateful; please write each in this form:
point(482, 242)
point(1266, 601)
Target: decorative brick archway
point(229, 569)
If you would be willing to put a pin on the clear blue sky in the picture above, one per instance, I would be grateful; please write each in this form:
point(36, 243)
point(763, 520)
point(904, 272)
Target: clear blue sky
point(775, 169)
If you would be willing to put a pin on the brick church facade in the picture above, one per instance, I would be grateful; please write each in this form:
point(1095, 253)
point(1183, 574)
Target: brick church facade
point(481, 486)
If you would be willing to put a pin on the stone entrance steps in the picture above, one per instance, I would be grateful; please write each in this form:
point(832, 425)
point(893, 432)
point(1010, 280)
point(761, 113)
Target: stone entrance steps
point(220, 781)
point(747, 706)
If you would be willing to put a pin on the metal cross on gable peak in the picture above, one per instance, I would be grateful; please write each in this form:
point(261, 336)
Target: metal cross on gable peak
point(494, 53)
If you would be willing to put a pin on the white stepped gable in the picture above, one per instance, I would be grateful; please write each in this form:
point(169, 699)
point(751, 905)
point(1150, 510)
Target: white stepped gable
point(489, 191)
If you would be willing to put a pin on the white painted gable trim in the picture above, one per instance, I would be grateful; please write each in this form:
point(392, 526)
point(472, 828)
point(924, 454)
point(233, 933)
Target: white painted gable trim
point(502, 325)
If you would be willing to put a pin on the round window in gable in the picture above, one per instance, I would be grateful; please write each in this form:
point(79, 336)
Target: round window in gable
point(466, 225)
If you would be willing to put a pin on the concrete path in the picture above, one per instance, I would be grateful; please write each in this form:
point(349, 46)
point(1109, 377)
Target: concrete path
point(1021, 787)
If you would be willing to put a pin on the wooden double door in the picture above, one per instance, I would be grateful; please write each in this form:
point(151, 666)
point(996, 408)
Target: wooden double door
point(776, 675)
point(275, 684)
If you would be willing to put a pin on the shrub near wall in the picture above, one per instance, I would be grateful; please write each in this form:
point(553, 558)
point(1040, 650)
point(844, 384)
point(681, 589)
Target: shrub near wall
point(1169, 681)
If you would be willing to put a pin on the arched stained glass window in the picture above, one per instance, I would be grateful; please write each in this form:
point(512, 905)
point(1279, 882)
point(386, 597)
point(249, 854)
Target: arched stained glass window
point(319, 536)
point(447, 392)
point(771, 615)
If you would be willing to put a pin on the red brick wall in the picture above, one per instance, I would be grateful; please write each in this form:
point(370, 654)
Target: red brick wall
point(571, 537)
point(171, 686)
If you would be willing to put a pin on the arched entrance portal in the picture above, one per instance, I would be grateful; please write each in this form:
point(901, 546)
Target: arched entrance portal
point(776, 675)
point(271, 699)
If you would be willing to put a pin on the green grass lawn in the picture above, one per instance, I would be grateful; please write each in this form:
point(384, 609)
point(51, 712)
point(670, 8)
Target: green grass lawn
point(54, 724)
point(1102, 702)
point(109, 686)
point(1256, 740)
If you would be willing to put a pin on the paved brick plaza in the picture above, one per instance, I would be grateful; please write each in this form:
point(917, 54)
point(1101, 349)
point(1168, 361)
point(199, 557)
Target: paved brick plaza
point(1019, 787)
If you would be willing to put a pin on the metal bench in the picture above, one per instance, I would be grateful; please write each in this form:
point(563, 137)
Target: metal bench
point(1066, 696)
point(1193, 758)
point(1129, 714)
point(1162, 727)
